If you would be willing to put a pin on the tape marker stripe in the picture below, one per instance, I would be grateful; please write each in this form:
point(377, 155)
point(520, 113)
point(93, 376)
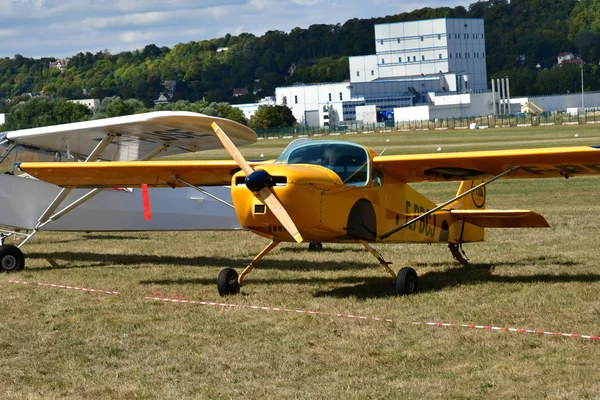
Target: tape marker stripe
point(81, 289)
point(360, 317)
point(348, 316)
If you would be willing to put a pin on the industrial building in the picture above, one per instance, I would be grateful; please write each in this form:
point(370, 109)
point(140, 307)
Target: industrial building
point(415, 63)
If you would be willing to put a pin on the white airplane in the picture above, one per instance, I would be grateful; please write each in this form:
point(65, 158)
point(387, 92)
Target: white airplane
point(28, 205)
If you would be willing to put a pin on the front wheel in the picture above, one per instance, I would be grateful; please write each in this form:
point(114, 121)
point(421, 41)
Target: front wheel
point(227, 282)
point(11, 258)
point(315, 246)
point(406, 281)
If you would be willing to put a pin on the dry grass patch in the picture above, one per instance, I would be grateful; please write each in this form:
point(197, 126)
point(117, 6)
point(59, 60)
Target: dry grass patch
point(58, 343)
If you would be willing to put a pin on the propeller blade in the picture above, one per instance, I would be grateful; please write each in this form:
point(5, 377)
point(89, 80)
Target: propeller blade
point(282, 216)
point(266, 194)
point(232, 150)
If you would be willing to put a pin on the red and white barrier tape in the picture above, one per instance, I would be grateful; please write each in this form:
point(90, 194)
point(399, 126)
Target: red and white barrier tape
point(350, 316)
point(81, 289)
point(339, 315)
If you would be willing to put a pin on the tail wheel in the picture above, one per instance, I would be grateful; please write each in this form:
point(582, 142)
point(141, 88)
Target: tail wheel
point(406, 281)
point(11, 258)
point(227, 282)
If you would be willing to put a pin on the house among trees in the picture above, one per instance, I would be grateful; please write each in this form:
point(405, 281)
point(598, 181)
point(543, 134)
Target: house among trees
point(240, 91)
point(168, 94)
point(569, 58)
point(60, 65)
point(169, 88)
point(162, 99)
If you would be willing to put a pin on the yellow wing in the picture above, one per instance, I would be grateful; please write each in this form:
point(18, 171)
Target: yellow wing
point(533, 163)
point(130, 174)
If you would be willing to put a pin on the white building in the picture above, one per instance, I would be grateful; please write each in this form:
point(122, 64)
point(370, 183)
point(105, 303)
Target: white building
point(425, 48)
point(2, 119)
point(90, 103)
point(249, 109)
point(414, 61)
point(317, 105)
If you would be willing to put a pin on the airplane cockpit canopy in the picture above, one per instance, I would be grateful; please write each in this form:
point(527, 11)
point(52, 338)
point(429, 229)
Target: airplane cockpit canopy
point(348, 160)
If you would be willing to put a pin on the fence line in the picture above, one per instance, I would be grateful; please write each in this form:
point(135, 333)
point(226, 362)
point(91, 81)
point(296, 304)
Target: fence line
point(516, 120)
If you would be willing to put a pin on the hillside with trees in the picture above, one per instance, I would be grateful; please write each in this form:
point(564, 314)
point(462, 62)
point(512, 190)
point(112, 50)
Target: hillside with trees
point(523, 39)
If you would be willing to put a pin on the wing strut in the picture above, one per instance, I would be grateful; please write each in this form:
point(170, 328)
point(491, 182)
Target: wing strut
point(198, 188)
point(48, 215)
point(420, 217)
point(7, 151)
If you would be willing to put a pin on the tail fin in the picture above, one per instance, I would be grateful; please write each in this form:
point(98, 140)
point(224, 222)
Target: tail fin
point(473, 201)
point(460, 231)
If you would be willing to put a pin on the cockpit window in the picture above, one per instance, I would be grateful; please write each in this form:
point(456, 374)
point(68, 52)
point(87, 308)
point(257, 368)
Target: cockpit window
point(350, 161)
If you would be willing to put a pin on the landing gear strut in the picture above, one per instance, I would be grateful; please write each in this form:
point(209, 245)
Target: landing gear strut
point(229, 282)
point(405, 282)
point(458, 253)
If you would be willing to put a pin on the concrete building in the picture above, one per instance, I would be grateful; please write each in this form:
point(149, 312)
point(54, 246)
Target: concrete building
point(427, 48)
point(414, 62)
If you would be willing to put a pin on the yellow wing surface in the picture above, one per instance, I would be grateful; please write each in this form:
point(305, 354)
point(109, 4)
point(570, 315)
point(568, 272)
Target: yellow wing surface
point(533, 163)
point(131, 174)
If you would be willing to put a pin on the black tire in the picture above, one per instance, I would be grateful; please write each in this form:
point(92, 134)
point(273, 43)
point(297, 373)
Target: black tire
point(11, 258)
point(315, 246)
point(227, 282)
point(406, 281)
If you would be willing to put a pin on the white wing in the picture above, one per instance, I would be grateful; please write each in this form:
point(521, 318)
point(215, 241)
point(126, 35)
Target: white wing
point(137, 135)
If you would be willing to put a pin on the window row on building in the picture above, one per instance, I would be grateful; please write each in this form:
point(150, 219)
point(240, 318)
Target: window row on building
point(412, 49)
point(407, 59)
point(434, 35)
point(329, 97)
point(468, 55)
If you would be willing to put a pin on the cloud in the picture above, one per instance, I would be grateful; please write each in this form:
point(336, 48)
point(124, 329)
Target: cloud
point(62, 28)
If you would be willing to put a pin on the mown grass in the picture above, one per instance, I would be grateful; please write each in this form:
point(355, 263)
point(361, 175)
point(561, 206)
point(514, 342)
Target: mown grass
point(58, 343)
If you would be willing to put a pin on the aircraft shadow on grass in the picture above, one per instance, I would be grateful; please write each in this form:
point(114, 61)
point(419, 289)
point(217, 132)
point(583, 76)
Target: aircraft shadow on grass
point(348, 286)
point(74, 260)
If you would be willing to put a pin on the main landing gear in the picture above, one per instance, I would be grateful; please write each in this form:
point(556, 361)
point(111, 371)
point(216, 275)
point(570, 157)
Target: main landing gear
point(229, 282)
point(11, 258)
point(405, 282)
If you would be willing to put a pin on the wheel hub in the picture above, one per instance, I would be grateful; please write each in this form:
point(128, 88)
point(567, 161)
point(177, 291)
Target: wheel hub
point(9, 262)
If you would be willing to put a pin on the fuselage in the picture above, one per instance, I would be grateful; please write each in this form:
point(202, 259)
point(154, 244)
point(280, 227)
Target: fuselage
point(334, 193)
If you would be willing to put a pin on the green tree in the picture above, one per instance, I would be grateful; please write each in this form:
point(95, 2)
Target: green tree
point(43, 111)
point(272, 117)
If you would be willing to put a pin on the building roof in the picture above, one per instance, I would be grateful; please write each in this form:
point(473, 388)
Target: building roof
point(240, 91)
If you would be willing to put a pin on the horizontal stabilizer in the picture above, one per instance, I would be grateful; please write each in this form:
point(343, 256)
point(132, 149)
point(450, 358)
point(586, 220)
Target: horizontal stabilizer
point(501, 218)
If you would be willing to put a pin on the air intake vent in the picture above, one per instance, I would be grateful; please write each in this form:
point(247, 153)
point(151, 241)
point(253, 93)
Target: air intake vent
point(277, 181)
point(260, 209)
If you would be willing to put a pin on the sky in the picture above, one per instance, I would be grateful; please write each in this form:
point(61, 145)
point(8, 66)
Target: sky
point(62, 28)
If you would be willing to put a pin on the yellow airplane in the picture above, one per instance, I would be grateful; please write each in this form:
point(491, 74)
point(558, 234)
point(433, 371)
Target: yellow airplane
point(341, 192)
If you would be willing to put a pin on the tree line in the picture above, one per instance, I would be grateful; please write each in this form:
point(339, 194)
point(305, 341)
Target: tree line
point(44, 111)
point(523, 39)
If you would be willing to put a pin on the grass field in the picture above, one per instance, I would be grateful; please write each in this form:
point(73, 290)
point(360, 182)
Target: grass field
point(59, 343)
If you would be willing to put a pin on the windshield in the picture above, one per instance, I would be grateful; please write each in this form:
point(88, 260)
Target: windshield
point(350, 161)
